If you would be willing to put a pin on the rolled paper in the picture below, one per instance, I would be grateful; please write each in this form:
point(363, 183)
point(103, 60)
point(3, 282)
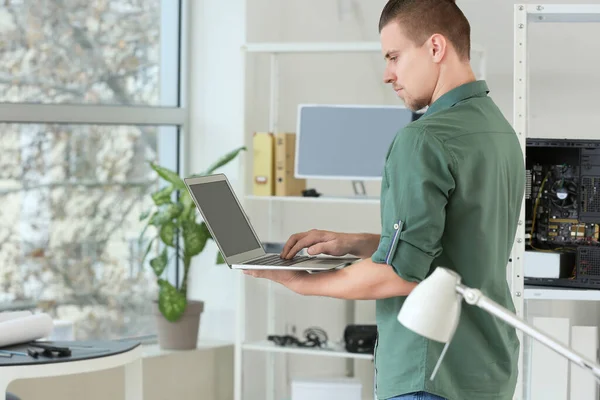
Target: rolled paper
point(6, 316)
point(25, 329)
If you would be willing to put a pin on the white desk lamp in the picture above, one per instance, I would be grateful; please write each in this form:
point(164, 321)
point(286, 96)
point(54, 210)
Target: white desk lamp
point(432, 310)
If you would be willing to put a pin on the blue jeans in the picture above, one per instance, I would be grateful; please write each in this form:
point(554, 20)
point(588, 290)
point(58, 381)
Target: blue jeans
point(418, 396)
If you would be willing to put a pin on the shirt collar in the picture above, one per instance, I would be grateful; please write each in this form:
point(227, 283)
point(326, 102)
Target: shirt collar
point(458, 94)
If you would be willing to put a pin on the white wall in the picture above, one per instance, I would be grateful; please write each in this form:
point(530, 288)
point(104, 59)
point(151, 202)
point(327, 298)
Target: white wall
point(563, 73)
point(217, 33)
point(563, 105)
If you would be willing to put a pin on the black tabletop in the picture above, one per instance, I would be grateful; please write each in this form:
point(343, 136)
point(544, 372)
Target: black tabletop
point(80, 350)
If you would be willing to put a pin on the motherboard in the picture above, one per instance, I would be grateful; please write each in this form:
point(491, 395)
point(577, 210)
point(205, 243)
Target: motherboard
point(555, 193)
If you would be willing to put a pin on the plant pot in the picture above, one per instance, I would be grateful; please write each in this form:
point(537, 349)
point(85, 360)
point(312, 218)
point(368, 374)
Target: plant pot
point(183, 333)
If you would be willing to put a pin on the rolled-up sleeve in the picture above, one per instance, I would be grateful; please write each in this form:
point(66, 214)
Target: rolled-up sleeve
point(417, 184)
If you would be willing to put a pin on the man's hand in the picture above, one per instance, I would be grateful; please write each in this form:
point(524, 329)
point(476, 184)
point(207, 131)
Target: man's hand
point(364, 280)
point(284, 277)
point(330, 243)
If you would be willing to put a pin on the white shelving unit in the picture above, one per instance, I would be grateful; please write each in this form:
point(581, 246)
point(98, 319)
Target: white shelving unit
point(241, 346)
point(524, 15)
point(313, 200)
point(554, 293)
point(269, 347)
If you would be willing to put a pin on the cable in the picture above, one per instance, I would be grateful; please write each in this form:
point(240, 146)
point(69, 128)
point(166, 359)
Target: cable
point(314, 337)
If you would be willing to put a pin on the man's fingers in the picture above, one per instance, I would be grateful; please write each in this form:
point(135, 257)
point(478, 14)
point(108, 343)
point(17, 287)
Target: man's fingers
point(298, 245)
point(317, 249)
point(258, 273)
point(303, 240)
point(291, 242)
point(306, 241)
point(294, 250)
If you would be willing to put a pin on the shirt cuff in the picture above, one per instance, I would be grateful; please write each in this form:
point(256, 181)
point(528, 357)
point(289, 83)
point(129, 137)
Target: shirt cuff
point(408, 261)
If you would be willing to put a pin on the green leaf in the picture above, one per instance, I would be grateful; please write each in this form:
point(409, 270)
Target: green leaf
point(171, 302)
point(220, 259)
point(167, 233)
point(186, 199)
point(173, 210)
point(159, 263)
point(187, 263)
point(159, 218)
point(195, 237)
point(188, 206)
point(168, 213)
point(168, 176)
point(145, 215)
point(224, 160)
point(163, 196)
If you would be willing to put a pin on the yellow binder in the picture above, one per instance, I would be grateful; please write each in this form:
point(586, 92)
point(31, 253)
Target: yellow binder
point(285, 152)
point(264, 164)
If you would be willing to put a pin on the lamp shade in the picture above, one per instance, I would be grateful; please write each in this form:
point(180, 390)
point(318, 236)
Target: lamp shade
point(432, 309)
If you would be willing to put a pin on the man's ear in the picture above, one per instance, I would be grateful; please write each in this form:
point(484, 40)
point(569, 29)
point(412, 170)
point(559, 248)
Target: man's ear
point(438, 46)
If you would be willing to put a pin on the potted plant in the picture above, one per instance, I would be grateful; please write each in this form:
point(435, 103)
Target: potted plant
point(182, 237)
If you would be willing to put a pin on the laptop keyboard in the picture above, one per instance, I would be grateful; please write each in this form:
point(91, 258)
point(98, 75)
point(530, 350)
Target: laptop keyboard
point(275, 260)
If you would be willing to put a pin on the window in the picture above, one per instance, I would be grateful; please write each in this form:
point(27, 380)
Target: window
point(89, 94)
point(93, 52)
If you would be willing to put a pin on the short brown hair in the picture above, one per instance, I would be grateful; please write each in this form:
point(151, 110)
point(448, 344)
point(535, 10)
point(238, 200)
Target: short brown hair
point(423, 18)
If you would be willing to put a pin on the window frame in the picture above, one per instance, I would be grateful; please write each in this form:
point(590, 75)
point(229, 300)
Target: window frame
point(139, 115)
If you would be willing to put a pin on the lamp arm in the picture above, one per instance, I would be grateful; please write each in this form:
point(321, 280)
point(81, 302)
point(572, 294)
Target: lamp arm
point(476, 298)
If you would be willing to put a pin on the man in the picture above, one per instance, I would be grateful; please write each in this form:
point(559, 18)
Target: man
point(451, 195)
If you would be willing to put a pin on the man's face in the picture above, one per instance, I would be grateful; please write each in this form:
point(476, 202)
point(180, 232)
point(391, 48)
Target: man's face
point(410, 70)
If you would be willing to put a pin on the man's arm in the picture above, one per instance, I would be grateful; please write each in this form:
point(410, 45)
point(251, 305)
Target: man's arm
point(420, 183)
point(364, 280)
point(365, 244)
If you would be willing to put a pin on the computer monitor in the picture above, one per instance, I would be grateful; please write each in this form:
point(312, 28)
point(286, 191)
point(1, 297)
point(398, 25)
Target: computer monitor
point(346, 142)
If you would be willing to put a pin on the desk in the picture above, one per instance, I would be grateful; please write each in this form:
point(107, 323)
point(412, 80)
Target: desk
point(89, 356)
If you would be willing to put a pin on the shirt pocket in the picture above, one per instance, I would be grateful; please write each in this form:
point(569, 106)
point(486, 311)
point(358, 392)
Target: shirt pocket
point(394, 241)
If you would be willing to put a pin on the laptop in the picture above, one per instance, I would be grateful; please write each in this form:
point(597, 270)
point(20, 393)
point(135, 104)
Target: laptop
point(231, 230)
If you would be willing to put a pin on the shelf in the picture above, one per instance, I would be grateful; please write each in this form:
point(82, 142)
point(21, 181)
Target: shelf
point(555, 293)
point(316, 47)
point(325, 47)
point(269, 347)
point(564, 13)
point(301, 199)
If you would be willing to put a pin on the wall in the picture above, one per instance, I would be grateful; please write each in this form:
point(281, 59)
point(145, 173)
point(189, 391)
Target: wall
point(217, 33)
point(563, 104)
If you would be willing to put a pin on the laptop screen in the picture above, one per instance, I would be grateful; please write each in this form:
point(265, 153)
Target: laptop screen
point(225, 218)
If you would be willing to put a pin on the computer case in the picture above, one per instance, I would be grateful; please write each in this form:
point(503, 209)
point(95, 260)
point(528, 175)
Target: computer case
point(562, 202)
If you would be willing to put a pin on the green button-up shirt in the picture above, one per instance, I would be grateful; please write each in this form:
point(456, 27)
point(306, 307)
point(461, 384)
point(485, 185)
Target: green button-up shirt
point(451, 194)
